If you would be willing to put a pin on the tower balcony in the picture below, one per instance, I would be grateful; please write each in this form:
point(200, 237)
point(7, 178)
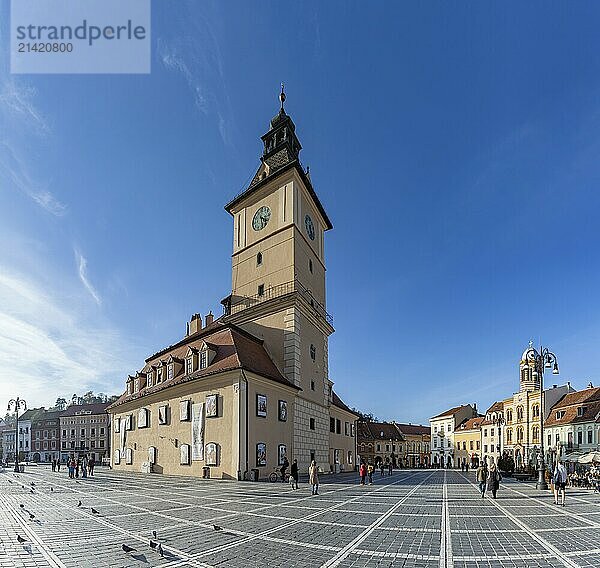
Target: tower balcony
point(234, 304)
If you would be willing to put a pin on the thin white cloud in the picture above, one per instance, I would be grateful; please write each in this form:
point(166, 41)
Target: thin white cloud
point(82, 270)
point(48, 350)
point(17, 100)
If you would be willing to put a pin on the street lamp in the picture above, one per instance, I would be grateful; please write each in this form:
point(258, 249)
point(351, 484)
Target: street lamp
point(499, 422)
point(17, 404)
point(544, 359)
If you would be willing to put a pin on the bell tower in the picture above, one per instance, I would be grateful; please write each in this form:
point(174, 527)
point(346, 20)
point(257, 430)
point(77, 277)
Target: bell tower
point(529, 376)
point(278, 279)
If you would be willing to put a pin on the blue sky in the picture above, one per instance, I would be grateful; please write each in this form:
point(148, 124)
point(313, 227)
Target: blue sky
point(455, 147)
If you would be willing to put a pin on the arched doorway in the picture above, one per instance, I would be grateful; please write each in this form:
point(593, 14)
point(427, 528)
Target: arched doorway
point(36, 458)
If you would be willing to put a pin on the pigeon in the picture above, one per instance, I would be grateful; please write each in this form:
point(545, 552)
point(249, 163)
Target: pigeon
point(160, 550)
point(154, 534)
point(31, 516)
point(10, 481)
point(153, 544)
point(21, 505)
point(52, 489)
point(95, 512)
point(22, 487)
point(32, 484)
point(127, 548)
point(76, 481)
point(79, 504)
point(20, 539)
point(31, 491)
point(217, 528)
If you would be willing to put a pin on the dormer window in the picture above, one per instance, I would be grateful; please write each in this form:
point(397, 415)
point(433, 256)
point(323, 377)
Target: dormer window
point(170, 371)
point(204, 359)
point(136, 387)
point(150, 379)
point(581, 411)
point(159, 376)
point(129, 387)
point(560, 414)
point(189, 365)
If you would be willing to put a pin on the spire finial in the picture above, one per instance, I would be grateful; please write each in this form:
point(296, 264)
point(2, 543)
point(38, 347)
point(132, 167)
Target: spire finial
point(282, 95)
point(530, 343)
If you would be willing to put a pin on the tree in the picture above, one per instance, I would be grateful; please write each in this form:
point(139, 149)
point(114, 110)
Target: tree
point(60, 403)
point(364, 417)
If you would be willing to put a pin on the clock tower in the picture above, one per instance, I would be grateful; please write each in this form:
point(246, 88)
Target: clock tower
point(278, 280)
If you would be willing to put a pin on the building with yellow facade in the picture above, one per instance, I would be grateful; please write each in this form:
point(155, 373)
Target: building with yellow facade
point(244, 391)
point(467, 441)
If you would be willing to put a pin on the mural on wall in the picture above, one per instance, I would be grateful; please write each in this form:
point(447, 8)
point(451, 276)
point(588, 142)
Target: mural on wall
point(261, 405)
point(211, 406)
point(282, 453)
point(198, 431)
point(261, 454)
point(184, 410)
point(283, 410)
point(211, 454)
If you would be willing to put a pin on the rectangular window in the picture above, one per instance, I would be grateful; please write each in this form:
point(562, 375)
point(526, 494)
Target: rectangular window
point(580, 437)
point(93, 432)
point(346, 429)
point(170, 371)
point(83, 432)
point(471, 445)
point(332, 425)
point(64, 433)
point(203, 360)
point(485, 449)
point(491, 431)
point(387, 447)
point(338, 426)
point(378, 447)
point(261, 289)
point(312, 423)
point(589, 437)
point(485, 432)
point(101, 431)
point(101, 443)
point(93, 443)
point(549, 439)
point(64, 445)
point(312, 385)
point(82, 445)
point(189, 366)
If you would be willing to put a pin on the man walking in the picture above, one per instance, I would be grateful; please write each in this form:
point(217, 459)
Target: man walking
point(284, 467)
point(313, 477)
point(482, 478)
point(493, 481)
point(294, 474)
point(559, 480)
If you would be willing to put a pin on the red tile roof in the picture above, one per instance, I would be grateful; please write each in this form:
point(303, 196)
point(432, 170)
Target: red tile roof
point(471, 424)
point(452, 411)
point(414, 429)
point(235, 349)
point(96, 408)
point(374, 430)
point(588, 399)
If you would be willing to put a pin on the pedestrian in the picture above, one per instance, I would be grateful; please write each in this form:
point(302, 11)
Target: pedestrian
point(84, 467)
point(559, 479)
point(294, 474)
point(493, 480)
point(481, 478)
point(390, 468)
point(381, 468)
point(313, 477)
point(71, 466)
point(53, 465)
point(77, 467)
point(462, 466)
point(362, 471)
point(91, 464)
point(284, 467)
point(467, 467)
point(370, 470)
point(58, 465)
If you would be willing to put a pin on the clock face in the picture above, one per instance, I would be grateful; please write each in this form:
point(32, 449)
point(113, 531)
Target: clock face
point(310, 228)
point(261, 218)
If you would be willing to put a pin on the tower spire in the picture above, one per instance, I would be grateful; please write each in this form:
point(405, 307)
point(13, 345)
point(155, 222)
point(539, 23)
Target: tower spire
point(282, 95)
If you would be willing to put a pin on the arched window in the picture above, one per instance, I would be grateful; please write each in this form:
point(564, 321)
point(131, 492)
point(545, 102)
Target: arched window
point(536, 435)
point(519, 413)
point(259, 259)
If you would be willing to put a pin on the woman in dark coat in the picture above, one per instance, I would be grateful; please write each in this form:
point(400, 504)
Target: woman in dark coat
point(493, 480)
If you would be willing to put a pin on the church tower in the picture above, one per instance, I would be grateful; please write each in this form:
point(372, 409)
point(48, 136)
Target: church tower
point(529, 376)
point(278, 279)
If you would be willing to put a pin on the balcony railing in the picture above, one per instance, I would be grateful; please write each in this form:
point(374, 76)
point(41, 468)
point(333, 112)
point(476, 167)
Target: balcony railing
point(236, 304)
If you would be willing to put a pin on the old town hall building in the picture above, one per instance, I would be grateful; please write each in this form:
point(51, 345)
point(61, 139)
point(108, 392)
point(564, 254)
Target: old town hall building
point(241, 392)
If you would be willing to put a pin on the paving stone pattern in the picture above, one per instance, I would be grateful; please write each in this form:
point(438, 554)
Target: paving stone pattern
point(414, 518)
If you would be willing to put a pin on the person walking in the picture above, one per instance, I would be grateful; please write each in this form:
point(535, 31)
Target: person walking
point(91, 464)
point(71, 466)
point(493, 480)
point(467, 467)
point(559, 479)
point(84, 467)
point(313, 477)
point(481, 478)
point(294, 474)
point(77, 467)
point(284, 467)
point(381, 468)
point(58, 465)
point(362, 471)
point(390, 467)
point(370, 470)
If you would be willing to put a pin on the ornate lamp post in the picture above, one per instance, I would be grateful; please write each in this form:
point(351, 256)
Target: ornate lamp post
point(499, 422)
point(544, 359)
point(17, 403)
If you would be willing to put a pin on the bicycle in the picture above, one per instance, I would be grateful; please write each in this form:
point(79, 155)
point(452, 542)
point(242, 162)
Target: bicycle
point(275, 475)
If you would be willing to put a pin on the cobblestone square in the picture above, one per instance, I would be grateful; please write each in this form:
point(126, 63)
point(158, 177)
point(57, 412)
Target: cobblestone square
point(414, 518)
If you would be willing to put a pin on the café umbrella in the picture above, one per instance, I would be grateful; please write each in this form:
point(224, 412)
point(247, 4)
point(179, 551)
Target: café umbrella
point(590, 457)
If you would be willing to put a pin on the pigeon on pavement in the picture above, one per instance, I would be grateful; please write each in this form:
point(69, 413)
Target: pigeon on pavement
point(95, 512)
point(31, 516)
point(217, 528)
point(154, 534)
point(20, 539)
point(79, 504)
point(127, 548)
point(153, 544)
point(160, 550)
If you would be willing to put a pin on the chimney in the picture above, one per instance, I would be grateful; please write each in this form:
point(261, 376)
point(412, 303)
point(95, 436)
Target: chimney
point(195, 324)
point(209, 319)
